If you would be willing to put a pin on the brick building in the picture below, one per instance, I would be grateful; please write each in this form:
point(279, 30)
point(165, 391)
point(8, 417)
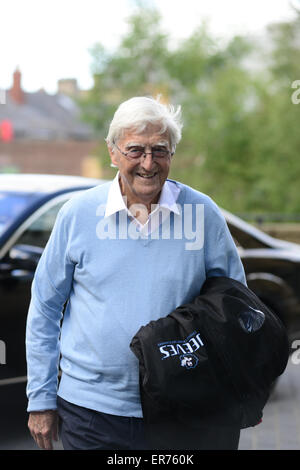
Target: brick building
point(43, 133)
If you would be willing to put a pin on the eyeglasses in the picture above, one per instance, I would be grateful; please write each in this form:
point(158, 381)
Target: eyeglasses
point(136, 153)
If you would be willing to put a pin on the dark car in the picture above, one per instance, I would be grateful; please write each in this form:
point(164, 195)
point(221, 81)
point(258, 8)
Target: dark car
point(272, 269)
point(28, 208)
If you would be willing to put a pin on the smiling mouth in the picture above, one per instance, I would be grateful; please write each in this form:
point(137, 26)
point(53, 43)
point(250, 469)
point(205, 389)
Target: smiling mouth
point(146, 176)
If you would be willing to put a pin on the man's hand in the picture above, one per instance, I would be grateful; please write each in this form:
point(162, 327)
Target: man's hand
point(43, 426)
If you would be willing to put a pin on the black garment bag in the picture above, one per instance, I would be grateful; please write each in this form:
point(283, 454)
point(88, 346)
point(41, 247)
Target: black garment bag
point(207, 368)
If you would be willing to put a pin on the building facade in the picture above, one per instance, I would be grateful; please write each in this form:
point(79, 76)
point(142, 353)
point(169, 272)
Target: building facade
point(43, 133)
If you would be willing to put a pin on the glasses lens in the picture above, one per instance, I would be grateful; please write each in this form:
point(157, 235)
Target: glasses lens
point(160, 153)
point(135, 153)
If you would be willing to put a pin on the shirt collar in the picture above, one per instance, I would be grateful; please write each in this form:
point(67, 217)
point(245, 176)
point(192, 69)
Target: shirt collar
point(168, 197)
point(115, 201)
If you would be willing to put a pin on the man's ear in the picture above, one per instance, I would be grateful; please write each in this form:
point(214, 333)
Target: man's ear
point(112, 154)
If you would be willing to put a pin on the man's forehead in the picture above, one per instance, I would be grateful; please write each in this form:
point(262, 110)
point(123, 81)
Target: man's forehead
point(143, 138)
point(133, 143)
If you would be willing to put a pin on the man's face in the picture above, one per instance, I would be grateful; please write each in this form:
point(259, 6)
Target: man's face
point(141, 181)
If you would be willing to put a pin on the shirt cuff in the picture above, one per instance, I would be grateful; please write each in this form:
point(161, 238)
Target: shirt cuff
point(42, 405)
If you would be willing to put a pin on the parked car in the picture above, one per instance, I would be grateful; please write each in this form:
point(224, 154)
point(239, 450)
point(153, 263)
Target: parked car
point(272, 269)
point(28, 208)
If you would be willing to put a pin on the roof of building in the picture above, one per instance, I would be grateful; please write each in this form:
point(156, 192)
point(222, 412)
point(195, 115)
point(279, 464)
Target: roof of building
point(39, 115)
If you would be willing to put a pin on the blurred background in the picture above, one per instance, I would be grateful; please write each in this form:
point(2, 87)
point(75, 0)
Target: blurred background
point(233, 66)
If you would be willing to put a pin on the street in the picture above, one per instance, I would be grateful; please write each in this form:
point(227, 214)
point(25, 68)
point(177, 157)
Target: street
point(14, 434)
point(279, 430)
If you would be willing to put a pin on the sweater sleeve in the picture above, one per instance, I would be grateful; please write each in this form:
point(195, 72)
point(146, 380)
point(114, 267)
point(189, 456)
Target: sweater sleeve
point(222, 257)
point(50, 290)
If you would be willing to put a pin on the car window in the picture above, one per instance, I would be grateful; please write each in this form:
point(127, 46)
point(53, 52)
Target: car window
point(12, 204)
point(237, 244)
point(39, 231)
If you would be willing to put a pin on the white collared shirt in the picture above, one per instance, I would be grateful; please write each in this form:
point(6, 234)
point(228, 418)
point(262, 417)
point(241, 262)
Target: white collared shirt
point(166, 204)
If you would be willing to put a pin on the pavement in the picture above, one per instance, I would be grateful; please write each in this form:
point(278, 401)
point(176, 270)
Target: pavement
point(280, 427)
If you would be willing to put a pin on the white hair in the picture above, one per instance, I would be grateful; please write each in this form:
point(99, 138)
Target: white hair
point(138, 112)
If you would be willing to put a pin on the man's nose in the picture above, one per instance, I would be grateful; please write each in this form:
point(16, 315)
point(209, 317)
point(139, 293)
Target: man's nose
point(147, 161)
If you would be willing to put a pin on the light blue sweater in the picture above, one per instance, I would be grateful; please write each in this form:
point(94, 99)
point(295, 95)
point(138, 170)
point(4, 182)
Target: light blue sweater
point(115, 284)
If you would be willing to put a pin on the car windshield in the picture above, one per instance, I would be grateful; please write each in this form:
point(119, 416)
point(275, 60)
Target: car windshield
point(12, 204)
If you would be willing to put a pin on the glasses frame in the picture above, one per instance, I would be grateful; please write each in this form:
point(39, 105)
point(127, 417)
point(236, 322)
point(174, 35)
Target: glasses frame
point(170, 154)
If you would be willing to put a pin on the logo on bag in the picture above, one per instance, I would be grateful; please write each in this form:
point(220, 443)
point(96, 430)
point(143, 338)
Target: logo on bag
point(189, 361)
point(184, 349)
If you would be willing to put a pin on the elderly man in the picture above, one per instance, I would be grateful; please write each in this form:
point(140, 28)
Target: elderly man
point(120, 255)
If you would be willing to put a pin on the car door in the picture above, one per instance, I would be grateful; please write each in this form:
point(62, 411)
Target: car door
point(15, 291)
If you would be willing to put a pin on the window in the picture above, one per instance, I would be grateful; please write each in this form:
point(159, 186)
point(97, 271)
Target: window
point(39, 231)
point(238, 245)
point(12, 204)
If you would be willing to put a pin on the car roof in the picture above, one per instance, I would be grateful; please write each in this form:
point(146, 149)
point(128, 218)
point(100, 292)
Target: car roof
point(44, 183)
point(266, 240)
